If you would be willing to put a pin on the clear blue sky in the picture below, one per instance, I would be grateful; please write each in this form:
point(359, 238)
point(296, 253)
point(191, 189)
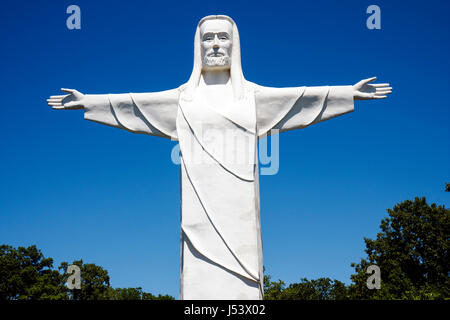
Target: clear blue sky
point(78, 189)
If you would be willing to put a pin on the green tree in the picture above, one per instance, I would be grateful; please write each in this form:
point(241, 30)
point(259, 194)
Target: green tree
point(273, 290)
point(25, 274)
point(149, 296)
point(94, 281)
point(135, 294)
point(319, 289)
point(412, 252)
point(95, 285)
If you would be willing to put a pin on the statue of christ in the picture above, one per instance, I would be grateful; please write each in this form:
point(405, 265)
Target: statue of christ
point(221, 245)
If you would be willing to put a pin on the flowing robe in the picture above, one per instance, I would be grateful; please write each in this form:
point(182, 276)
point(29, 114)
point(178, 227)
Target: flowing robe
point(221, 245)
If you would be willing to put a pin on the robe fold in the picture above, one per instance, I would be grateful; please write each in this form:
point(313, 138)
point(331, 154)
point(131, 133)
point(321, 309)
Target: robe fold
point(221, 244)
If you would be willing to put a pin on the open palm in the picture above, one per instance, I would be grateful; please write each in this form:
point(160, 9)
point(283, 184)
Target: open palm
point(72, 100)
point(364, 90)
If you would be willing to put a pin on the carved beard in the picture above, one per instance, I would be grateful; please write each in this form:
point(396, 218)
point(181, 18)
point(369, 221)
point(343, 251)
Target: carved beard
point(216, 61)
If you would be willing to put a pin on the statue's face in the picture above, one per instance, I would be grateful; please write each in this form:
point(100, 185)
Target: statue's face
point(216, 43)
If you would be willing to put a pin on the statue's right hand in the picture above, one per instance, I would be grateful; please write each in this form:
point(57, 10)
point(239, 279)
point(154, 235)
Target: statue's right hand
point(72, 100)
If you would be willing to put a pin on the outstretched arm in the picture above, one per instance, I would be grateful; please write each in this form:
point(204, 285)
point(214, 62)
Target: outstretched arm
point(148, 113)
point(286, 109)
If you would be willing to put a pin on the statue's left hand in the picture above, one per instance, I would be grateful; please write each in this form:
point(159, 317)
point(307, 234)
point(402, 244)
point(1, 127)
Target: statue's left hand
point(73, 100)
point(363, 90)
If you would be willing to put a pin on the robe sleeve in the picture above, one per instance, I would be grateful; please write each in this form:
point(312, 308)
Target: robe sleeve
point(295, 108)
point(146, 113)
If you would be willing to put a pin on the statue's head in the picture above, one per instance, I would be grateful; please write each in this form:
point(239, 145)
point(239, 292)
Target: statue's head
point(216, 41)
point(217, 45)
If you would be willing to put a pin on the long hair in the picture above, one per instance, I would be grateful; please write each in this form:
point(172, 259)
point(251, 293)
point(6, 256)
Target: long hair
point(238, 81)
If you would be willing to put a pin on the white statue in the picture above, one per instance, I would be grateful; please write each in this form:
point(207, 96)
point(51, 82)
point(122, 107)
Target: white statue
point(221, 249)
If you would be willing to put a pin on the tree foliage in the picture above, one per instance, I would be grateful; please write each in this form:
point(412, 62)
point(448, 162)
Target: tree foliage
point(412, 252)
point(94, 281)
point(135, 294)
point(319, 289)
point(25, 274)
